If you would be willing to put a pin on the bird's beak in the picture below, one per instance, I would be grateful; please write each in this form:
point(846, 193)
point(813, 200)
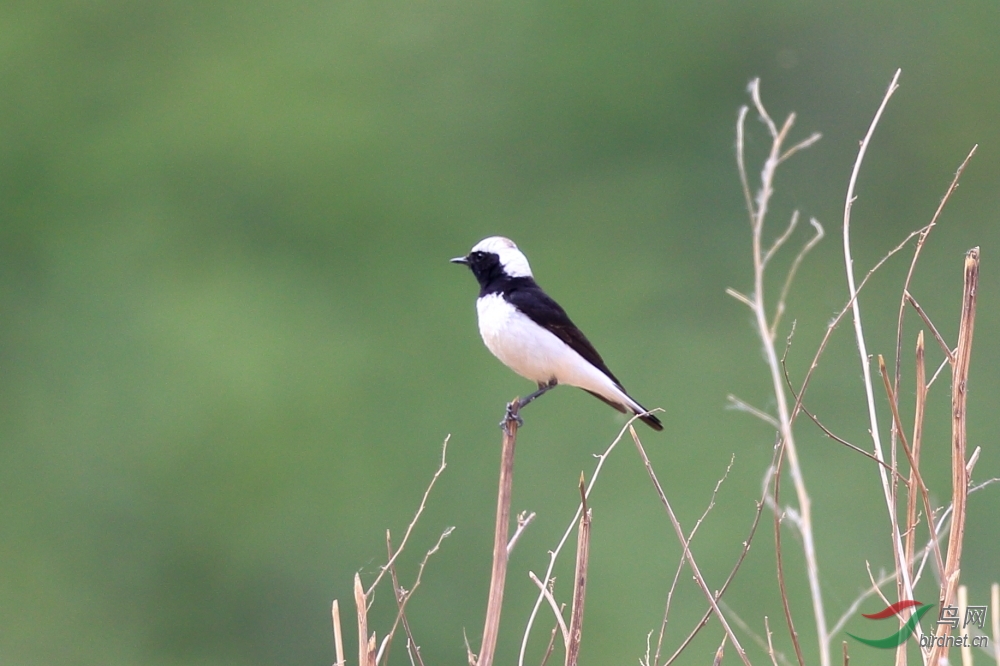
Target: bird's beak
point(460, 260)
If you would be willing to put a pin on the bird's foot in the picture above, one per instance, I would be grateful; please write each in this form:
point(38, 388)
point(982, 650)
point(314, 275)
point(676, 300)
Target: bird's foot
point(511, 416)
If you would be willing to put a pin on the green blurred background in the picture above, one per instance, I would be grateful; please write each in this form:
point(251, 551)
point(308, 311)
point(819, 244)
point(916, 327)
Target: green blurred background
point(231, 343)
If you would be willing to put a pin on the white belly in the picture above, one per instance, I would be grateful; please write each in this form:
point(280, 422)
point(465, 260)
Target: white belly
point(534, 353)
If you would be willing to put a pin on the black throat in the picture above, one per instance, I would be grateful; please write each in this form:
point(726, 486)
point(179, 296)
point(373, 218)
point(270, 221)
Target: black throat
point(492, 279)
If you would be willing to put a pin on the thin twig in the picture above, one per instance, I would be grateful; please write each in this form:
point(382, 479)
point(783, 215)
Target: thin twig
point(402, 598)
point(554, 605)
point(742, 406)
point(780, 307)
point(780, 240)
point(554, 554)
point(746, 629)
point(913, 264)
point(918, 429)
point(770, 644)
point(416, 517)
point(898, 553)
point(937, 372)
point(687, 549)
point(949, 354)
point(551, 646)
point(680, 563)
point(522, 523)
point(778, 561)
point(914, 466)
point(732, 574)
point(827, 431)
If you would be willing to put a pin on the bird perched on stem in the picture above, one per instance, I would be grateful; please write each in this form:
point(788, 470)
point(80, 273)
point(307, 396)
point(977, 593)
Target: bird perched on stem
point(532, 335)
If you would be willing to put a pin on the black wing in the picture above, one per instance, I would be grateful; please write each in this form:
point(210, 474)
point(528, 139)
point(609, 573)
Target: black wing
point(529, 298)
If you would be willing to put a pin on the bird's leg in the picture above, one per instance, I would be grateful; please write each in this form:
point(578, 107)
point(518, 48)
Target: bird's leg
point(542, 389)
point(510, 415)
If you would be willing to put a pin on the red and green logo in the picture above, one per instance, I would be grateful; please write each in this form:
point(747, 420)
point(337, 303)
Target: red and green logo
point(898, 638)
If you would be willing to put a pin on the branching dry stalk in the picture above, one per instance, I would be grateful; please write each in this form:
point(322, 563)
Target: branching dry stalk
point(416, 517)
point(729, 579)
point(695, 571)
point(889, 475)
point(757, 208)
point(680, 563)
point(554, 554)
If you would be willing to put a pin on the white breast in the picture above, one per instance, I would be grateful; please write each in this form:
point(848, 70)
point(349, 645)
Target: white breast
point(536, 354)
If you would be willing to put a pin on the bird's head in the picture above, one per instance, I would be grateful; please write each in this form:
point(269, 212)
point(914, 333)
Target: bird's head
point(495, 257)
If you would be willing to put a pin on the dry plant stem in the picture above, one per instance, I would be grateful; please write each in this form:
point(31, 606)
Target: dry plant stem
point(738, 404)
point(778, 561)
point(554, 554)
point(913, 264)
point(914, 466)
point(338, 638)
point(366, 653)
point(403, 597)
point(826, 431)
point(680, 564)
point(948, 353)
point(918, 429)
point(522, 524)
point(960, 479)
point(720, 652)
point(579, 585)
point(758, 211)
point(554, 605)
point(963, 605)
point(921, 388)
point(687, 550)
point(729, 579)
point(995, 617)
point(416, 517)
point(887, 488)
point(770, 645)
point(740, 624)
point(498, 577)
point(551, 646)
point(817, 237)
point(847, 660)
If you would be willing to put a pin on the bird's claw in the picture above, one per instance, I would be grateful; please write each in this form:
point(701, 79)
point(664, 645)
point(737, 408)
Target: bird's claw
point(511, 415)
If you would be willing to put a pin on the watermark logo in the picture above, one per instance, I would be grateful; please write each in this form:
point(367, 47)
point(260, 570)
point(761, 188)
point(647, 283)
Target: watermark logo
point(898, 638)
point(949, 615)
point(974, 615)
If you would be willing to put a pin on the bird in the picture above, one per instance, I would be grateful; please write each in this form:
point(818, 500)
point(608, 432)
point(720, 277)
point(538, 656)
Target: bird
point(532, 335)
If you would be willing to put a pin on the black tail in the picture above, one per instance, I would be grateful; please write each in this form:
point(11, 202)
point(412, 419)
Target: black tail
point(648, 419)
point(651, 421)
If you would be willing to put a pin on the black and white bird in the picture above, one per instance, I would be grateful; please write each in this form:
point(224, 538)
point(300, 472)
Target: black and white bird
point(532, 335)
